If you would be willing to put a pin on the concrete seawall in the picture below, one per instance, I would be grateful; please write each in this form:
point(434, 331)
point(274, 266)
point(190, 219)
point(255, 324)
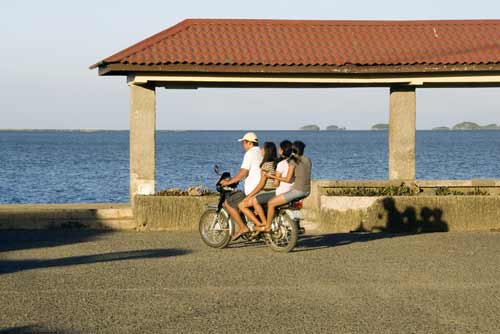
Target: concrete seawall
point(180, 213)
point(324, 213)
point(72, 215)
point(409, 213)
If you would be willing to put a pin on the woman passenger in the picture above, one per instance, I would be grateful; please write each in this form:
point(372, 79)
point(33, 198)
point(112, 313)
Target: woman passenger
point(284, 151)
point(266, 184)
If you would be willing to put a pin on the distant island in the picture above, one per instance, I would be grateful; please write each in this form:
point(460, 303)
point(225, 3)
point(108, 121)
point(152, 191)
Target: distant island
point(310, 127)
point(469, 126)
point(459, 126)
point(380, 126)
point(466, 126)
point(314, 127)
point(334, 128)
point(490, 127)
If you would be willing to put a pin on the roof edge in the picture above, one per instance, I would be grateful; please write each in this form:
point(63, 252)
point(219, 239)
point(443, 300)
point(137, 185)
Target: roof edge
point(343, 22)
point(125, 69)
point(170, 31)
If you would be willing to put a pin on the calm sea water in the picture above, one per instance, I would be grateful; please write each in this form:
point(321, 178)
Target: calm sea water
point(63, 167)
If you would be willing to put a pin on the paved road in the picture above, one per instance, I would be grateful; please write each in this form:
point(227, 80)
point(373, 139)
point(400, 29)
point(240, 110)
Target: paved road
point(95, 282)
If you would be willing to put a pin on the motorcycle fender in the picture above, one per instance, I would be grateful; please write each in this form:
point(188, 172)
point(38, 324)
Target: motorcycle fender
point(294, 215)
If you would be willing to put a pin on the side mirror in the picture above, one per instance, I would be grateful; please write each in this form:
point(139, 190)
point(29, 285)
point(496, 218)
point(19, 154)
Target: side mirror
point(217, 169)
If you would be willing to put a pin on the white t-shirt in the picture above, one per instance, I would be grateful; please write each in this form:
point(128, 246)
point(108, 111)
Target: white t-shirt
point(251, 162)
point(284, 187)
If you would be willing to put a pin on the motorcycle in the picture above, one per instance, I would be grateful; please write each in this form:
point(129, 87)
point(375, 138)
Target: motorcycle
point(216, 226)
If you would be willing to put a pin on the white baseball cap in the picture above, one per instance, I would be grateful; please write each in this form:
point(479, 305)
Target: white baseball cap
point(250, 136)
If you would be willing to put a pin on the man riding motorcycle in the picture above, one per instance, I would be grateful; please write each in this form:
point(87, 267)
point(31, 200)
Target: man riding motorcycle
point(250, 173)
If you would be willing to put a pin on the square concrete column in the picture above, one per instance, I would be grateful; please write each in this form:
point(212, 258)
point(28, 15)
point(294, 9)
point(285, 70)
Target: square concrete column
point(402, 133)
point(142, 140)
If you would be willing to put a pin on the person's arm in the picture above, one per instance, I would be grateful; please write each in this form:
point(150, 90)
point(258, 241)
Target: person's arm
point(281, 170)
point(260, 186)
point(243, 173)
point(276, 180)
point(289, 176)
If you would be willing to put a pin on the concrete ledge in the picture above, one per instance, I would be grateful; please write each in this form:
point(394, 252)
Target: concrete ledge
point(324, 213)
point(420, 183)
point(72, 215)
point(339, 214)
point(161, 213)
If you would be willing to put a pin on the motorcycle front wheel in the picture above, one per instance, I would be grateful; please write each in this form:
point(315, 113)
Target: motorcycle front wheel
point(284, 235)
point(214, 228)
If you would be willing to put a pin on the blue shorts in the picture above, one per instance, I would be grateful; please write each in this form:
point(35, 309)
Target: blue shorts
point(293, 195)
point(265, 197)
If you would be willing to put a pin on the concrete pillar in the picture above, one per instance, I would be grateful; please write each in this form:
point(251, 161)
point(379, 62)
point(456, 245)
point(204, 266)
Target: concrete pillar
point(402, 133)
point(142, 140)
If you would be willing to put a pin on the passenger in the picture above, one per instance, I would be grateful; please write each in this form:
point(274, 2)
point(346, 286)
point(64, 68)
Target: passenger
point(285, 151)
point(266, 188)
point(300, 172)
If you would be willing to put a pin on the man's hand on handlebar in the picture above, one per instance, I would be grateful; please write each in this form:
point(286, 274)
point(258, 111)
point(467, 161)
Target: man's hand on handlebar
point(225, 183)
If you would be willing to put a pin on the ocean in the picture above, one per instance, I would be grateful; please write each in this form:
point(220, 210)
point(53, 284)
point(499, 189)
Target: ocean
point(74, 166)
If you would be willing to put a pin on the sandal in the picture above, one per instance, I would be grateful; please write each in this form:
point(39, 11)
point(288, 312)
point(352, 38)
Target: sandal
point(238, 235)
point(264, 228)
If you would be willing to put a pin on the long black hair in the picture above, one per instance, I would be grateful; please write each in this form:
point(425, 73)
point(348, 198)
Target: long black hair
point(270, 154)
point(286, 148)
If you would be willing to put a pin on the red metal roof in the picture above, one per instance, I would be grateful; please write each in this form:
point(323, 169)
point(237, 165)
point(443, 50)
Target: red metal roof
point(316, 43)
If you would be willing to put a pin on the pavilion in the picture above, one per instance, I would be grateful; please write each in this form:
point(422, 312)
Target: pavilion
point(402, 55)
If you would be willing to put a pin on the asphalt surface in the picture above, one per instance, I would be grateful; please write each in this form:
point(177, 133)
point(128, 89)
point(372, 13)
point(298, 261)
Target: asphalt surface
point(169, 282)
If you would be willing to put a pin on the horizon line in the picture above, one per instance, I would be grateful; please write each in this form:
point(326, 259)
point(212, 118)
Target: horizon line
point(186, 130)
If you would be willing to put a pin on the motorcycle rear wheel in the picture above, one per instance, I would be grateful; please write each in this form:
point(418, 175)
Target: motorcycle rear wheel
point(284, 238)
point(214, 228)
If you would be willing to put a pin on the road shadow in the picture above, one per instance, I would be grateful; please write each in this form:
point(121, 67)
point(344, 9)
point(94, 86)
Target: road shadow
point(319, 241)
point(11, 266)
point(13, 240)
point(397, 224)
point(32, 329)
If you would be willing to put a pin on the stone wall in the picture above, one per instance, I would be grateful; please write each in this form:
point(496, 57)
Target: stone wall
point(409, 213)
point(160, 213)
point(52, 216)
point(426, 211)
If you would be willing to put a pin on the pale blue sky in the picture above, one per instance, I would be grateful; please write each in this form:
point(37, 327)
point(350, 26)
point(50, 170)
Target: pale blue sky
point(46, 47)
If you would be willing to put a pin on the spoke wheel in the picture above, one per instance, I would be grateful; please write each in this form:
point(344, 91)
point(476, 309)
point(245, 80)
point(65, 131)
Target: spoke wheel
point(214, 229)
point(284, 235)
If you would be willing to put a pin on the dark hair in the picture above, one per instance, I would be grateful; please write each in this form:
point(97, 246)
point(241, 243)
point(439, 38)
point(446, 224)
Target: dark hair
point(298, 147)
point(269, 153)
point(286, 147)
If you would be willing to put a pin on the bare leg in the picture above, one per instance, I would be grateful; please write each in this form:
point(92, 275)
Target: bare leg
point(235, 215)
point(245, 208)
point(260, 212)
point(271, 209)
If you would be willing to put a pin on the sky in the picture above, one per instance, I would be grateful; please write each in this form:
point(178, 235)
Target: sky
point(47, 46)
